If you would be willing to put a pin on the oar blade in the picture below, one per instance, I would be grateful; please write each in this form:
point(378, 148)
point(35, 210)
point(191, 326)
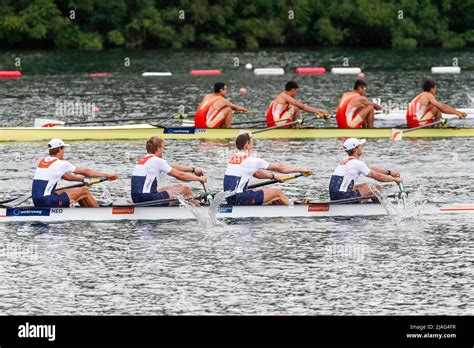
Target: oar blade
point(397, 134)
point(17, 202)
point(47, 123)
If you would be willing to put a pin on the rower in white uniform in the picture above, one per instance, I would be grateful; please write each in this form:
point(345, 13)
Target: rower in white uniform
point(148, 169)
point(243, 165)
point(53, 168)
point(343, 180)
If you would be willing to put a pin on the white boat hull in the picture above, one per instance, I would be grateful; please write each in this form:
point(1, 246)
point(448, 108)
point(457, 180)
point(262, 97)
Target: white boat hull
point(130, 213)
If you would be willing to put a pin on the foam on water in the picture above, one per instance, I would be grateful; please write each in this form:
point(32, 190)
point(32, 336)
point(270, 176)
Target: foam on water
point(105, 196)
point(205, 218)
point(401, 209)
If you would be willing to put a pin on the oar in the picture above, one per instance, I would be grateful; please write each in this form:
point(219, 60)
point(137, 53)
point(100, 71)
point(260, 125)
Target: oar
point(256, 122)
point(156, 202)
point(397, 134)
point(192, 114)
point(207, 195)
point(403, 195)
point(110, 120)
point(273, 181)
point(349, 200)
point(299, 121)
point(20, 200)
point(265, 183)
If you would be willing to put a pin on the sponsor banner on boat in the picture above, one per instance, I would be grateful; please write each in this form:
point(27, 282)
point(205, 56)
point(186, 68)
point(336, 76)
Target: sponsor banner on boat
point(28, 212)
point(225, 209)
point(318, 207)
point(183, 130)
point(123, 210)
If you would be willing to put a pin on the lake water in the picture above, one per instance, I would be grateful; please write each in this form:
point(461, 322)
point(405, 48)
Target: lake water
point(256, 266)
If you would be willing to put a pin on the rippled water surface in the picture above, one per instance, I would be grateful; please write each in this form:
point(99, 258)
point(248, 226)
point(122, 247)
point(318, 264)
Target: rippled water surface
point(255, 266)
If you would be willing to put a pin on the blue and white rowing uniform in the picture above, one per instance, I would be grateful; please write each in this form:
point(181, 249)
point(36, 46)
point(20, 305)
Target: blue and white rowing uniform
point(240, 169)
point(345, 176)
point(49, 171)
point(145, 179)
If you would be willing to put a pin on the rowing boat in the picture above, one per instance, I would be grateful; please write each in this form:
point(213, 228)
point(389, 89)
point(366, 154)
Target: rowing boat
point(144, 131)
point(131, 213)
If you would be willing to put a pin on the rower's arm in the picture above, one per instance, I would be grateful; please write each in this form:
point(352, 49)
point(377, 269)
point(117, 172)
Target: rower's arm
point(234, 106)
point(194, 170)
point(445, 108)
point(286, 169)
point(72, 177)
point(383, 177)
point(185, 176)
point(261, 174)
point(367, 102)
point(302, 106)
point(93, 173)
point(384, 171)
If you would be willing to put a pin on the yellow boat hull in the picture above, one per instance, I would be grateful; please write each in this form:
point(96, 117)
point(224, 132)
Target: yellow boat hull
point(144, 131)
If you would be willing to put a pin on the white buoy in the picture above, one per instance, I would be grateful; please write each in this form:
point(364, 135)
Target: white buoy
point(445, 70)
point(269, 71)
point(346, 71)
point(248, 66)
point(167, 73)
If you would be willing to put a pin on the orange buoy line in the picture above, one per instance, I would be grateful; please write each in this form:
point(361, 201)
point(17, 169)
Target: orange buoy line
point(10, 74)
point(99, 74)
point(311, 71)
point(205, 72)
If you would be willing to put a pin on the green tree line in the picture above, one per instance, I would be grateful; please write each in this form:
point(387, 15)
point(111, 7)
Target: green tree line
point(231, 24)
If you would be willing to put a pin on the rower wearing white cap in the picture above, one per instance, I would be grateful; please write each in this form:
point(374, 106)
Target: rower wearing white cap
point(343, 180)
point(53, 168)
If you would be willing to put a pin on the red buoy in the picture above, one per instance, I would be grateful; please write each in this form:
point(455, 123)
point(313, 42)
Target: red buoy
point(10, 74)
point(311, 71)
point(205, 72)
point(101, 74)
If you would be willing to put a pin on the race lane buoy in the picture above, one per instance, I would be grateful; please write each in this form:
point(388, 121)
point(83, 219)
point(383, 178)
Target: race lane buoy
point(445, 70)
point(157, 74)
point(269, 71)
point(99, 74)
point(10, 74)
point(205, 72)
point(311, 71)
point(346, 71)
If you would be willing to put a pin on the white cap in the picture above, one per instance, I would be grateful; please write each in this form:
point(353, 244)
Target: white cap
point(352, 143)
point(54, 143)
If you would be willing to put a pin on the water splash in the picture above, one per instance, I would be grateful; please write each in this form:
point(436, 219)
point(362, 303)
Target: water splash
point(214, 208)
point(105, 196)
point(206, 217)
point(398, 209)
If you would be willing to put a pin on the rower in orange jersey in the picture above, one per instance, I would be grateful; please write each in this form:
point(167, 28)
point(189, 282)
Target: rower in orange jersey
point(354, 110)
point(425, 109)
point(285, 108)
point(215, 111)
